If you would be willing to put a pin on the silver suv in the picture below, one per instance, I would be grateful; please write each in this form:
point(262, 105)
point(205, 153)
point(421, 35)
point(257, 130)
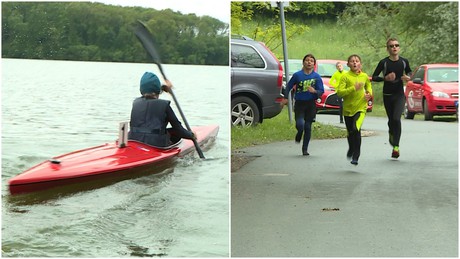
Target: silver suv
point(257, 78)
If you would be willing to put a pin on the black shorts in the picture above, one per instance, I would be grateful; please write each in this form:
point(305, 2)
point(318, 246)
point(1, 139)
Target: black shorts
point(305, 110)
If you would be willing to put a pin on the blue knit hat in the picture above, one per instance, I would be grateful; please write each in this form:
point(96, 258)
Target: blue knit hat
point(150, 83)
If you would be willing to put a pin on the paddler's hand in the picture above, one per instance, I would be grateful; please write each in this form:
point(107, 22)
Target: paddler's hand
point(167, 86)
point(194, 135)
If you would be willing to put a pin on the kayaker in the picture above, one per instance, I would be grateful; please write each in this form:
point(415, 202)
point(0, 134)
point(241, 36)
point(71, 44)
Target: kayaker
point(150, 115)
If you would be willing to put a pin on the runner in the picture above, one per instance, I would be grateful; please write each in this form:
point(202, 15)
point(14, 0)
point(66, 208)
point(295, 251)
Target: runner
point(396, 70)
point(309, 86)
point(334, 82)
point(356, 90)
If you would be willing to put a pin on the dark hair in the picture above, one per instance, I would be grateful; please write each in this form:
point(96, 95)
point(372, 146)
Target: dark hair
point(352, 56)
point(309, 56)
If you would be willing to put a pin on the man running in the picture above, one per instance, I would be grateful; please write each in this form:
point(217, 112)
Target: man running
point(395, 70)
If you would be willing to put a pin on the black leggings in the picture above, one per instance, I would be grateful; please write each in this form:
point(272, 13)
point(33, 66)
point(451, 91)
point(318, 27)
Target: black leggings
point(394, 106)
point(353, 124)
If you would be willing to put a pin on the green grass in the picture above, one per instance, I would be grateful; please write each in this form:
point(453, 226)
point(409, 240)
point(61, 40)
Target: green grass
point(323, 40)
point(279, 129)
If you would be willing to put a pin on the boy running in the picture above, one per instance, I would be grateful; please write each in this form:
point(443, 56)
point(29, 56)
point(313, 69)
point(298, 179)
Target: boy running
point(396, 70)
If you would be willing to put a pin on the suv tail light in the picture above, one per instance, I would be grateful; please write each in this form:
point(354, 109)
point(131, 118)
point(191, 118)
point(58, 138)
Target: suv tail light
point(280, 75)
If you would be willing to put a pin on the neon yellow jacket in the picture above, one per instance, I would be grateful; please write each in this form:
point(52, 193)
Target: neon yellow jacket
point(353, 100)
point(335, 78)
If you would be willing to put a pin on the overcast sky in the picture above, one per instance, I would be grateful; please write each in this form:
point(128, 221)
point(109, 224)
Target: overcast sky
point(219, 9)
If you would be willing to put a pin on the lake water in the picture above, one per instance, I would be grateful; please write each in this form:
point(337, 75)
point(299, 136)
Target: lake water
point(54, 107)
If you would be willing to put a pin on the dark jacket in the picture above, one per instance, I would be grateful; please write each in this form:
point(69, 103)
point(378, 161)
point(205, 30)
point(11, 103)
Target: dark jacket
point(149, 119)
point(386, 66)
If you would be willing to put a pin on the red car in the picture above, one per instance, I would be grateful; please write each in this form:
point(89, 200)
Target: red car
point(326, 68)
point(432, 90)
point(329, 100)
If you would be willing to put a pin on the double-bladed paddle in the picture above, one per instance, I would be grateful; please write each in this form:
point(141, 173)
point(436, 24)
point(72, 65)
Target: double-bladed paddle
point(144, 35)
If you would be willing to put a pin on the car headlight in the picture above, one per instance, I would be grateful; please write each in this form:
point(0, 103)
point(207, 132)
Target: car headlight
point(440, 94)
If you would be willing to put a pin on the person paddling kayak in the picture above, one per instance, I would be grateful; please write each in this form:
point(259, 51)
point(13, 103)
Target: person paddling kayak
point(150, 115)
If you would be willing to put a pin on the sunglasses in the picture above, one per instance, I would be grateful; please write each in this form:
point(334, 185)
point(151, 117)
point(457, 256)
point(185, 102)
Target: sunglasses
point(392, 46)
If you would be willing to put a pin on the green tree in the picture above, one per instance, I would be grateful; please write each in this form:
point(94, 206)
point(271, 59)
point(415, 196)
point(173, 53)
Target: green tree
point(238, 15)
point(269, 34)
point(440, 43)
point(427, 31)
point(98, 32)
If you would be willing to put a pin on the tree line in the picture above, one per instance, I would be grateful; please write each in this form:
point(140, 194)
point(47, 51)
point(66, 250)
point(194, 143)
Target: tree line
point(97, 32)
point(428, 30)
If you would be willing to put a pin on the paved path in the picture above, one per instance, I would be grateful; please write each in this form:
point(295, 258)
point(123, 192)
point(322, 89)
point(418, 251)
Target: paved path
point(284, 204)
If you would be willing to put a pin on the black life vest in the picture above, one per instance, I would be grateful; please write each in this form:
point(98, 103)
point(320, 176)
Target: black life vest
point(148, 122)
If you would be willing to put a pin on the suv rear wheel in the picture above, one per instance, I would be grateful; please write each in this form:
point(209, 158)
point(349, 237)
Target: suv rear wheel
point(244, 112)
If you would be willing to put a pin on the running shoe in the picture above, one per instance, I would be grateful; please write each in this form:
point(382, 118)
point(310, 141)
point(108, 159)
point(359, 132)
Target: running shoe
point(354, 162)
point(395, 153)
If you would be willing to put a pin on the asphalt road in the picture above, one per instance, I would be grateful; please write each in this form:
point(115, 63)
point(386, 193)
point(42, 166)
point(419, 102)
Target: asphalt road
point(285, 204)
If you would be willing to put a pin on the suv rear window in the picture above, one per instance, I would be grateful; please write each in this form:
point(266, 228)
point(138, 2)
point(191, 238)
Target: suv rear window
point(246, 56)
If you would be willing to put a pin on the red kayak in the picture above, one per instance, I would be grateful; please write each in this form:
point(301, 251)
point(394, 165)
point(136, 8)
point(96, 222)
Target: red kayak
point(103, 160)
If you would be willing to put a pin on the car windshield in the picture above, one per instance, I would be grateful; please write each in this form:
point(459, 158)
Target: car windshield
point(442, 75)
point(328, 69)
